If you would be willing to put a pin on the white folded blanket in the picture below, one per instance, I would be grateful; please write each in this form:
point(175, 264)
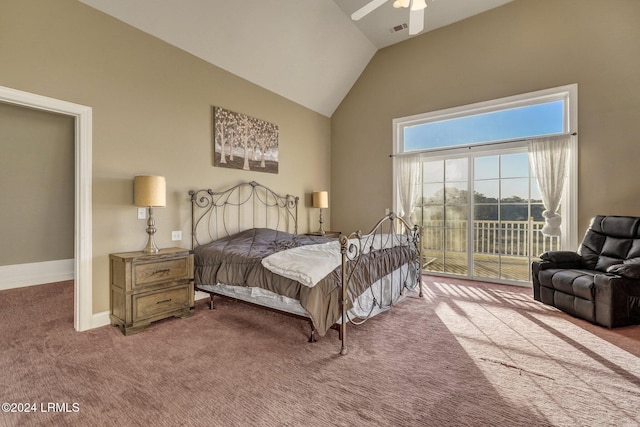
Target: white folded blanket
point(305, 264)
point(310, 264)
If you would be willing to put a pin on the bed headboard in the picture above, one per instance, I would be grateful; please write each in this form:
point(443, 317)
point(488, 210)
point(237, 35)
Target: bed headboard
point(217, 214)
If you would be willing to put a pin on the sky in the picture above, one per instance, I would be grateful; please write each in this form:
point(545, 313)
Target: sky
point(514, 123)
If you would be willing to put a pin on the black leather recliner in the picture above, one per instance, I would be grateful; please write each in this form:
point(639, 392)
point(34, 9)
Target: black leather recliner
point(599, 283)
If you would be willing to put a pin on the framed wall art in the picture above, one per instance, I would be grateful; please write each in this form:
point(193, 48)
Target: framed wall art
point(244, 142)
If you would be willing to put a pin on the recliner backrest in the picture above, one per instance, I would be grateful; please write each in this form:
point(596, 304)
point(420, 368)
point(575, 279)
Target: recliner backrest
point(610, 240)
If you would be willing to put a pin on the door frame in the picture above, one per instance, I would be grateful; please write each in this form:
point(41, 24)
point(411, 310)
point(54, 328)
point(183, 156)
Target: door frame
point(83, 229)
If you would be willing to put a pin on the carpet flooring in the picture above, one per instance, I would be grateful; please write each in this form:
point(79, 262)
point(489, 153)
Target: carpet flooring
point(466, 354)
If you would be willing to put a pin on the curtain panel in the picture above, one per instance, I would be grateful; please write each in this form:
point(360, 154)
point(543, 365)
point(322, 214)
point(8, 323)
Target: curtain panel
point(549, 159)
point(408, 172)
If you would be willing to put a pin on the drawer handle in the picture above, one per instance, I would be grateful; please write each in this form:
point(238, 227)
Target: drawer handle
point(163, 271)
point(164, 300)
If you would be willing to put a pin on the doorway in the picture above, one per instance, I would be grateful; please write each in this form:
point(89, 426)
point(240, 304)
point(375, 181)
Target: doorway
point(83, 286)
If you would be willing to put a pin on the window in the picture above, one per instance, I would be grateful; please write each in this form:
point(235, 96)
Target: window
point(544, 118)
point(478, 200)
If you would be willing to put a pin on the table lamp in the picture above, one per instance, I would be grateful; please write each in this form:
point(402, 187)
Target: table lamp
point(150, 192)
point(321, 201)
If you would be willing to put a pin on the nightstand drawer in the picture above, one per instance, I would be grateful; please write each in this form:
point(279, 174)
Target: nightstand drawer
point(154, 303)
point(161, 271)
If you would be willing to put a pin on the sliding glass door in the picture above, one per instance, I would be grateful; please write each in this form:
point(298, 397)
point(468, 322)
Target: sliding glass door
point(444, 213)
point(481, 216)
point(507, 213)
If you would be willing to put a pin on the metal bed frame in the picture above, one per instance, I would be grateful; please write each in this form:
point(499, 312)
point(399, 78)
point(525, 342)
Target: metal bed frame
point(218, 214)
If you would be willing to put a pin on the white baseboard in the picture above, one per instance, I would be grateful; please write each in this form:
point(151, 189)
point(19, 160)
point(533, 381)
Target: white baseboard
point(21, 275)
point(100, 319)
point(201, 295)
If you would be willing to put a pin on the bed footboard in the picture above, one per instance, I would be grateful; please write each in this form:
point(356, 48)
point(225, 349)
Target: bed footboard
point(390, 233)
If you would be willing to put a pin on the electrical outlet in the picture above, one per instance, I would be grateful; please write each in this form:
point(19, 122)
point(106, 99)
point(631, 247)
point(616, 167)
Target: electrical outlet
point(176, 235)
point(386, 211)
point(142, 213)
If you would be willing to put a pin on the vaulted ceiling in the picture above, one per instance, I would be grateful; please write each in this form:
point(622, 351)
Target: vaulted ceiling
point(308, 51)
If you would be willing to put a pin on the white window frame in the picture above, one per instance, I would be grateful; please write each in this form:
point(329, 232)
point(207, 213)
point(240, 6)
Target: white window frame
point(568, 93)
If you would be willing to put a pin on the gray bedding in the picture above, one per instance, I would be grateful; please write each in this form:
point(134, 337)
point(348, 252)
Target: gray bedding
point(236, 260)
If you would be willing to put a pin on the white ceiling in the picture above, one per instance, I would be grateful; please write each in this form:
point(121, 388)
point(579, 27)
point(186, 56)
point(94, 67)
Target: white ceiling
point(377, 26)
point(308, 51)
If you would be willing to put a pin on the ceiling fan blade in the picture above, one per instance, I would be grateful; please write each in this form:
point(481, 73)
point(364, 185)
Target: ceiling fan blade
point(366, 9)
point(416, 21)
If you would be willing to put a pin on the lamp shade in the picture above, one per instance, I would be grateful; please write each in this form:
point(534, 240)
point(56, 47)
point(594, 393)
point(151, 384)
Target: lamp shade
point(150, 191)
point(321, 199)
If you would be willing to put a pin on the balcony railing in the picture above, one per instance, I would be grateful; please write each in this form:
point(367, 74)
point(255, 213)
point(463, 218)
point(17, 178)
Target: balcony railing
point(512, 238)
point(502, 249)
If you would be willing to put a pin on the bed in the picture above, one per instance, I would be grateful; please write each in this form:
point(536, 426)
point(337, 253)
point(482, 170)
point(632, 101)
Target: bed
point(246, 246)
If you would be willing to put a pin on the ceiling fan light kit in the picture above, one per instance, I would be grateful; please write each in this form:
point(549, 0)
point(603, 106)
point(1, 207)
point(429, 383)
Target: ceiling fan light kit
point(416, 15)
point(401, 3)
point(418, 4)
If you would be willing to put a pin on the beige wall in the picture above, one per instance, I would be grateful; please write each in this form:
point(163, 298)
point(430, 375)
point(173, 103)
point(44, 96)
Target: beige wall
point(524, 46)
point(152, 114)
point(36, 185)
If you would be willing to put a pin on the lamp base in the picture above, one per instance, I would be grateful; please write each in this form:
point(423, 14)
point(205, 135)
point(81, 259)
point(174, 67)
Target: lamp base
point(321, 231)
point(151, 247)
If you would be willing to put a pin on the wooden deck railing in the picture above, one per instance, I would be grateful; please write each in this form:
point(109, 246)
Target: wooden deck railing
point(490, 237)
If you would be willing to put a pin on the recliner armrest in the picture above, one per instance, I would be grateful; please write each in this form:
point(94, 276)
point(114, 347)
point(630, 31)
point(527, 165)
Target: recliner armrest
point(629, 271)
point(617, 299)
point(565, 259)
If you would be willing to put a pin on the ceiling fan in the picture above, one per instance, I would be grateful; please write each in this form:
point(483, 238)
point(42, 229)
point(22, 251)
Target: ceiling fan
point(416, 12)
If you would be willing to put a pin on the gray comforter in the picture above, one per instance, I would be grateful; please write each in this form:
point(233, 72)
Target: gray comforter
point(236, 260)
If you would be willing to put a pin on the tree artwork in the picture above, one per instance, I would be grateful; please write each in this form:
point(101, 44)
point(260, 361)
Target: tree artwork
point(244, 142)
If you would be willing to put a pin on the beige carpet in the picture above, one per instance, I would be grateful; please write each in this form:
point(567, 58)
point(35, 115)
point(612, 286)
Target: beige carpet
point(467, 354)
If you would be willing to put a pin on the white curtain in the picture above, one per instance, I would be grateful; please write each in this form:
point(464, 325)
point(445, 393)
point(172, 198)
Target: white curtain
point(549, 159)
point(408, 172)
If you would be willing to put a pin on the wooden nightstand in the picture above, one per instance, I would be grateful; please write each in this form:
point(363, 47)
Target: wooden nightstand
point(145, 288)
